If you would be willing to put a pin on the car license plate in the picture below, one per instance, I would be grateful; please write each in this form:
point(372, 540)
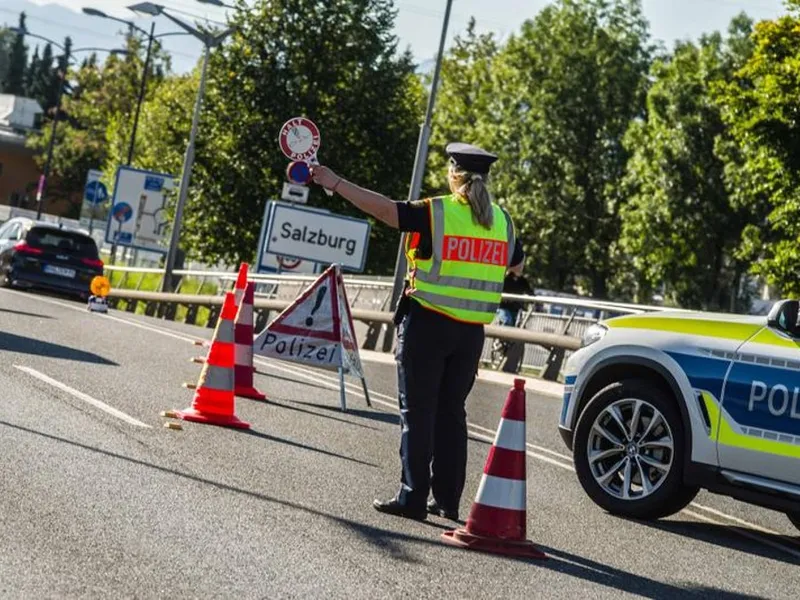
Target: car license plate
point(60, 271)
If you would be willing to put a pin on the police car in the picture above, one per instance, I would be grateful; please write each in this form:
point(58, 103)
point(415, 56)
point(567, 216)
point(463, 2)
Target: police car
point(659, 405)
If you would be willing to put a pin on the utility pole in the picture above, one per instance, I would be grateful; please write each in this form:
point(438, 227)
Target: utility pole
point(418, 173)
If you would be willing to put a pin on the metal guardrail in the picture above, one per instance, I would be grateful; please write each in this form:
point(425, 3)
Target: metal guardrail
point(550, 328)
point(160, 304)
point(224, 276)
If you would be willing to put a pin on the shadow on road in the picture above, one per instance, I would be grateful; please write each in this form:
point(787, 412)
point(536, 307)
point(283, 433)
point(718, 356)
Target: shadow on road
point(375, 415)
point(272, 438)
point(625, 581)
point(729, 536)
point(314, 413)
point(24, 314)
point(297, 381)
point(398, 544)
point(26, 345)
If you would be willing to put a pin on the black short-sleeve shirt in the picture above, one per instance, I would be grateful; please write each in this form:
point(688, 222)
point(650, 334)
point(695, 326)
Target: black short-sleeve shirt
point(415, 216)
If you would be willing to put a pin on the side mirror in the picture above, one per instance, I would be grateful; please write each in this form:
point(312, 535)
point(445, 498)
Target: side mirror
point(784, 317)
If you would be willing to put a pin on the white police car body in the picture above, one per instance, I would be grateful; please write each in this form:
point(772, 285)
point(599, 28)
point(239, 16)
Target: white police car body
point(657, 406)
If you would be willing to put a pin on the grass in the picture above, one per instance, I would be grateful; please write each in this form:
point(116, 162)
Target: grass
point(151, 282)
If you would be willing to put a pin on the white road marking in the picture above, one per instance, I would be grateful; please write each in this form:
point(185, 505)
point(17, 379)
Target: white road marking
point(315, 376)
point(81, 396)
point(162, 331)
point(743, 532)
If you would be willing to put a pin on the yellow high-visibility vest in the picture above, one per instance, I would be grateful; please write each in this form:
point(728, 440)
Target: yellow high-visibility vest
point(463, 278)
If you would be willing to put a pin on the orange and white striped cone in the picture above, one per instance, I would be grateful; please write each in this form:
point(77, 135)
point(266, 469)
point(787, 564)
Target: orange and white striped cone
point(238, 293)
point(241, 283)
point(497, 521)
point(213, 401)
point(243, 355)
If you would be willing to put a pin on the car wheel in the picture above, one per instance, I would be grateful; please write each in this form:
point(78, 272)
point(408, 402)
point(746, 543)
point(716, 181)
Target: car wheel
point(629, 451)
point(795, 519)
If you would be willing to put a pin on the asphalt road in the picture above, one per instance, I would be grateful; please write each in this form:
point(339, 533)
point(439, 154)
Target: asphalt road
point(100, 500)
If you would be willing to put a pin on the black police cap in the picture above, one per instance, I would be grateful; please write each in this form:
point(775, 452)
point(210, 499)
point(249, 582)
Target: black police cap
point(470, 158)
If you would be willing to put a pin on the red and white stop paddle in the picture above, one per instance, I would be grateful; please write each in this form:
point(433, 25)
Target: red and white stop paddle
point(300, 140)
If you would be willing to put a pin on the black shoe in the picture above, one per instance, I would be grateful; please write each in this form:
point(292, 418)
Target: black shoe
point(435, 509)
point(393, 507)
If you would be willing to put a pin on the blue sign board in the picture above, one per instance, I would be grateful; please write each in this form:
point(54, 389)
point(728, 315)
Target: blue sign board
point(153, 184)
point(95, 192)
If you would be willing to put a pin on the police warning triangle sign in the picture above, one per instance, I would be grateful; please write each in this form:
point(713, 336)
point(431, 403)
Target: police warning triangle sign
point(316, 330)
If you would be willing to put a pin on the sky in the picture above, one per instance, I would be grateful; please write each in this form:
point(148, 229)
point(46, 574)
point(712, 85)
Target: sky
point(418, 24)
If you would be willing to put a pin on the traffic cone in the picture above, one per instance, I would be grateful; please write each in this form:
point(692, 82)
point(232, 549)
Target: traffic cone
point(497, 521)
point(214, 399)
point(243, 355)
point(238, 293)
point(241, 283)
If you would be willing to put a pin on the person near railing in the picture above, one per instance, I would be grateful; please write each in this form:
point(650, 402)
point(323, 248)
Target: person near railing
point(459, 249)
point(507, 315)
point(515, 283)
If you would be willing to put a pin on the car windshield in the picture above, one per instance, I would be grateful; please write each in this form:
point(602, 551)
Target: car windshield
point(67, 242)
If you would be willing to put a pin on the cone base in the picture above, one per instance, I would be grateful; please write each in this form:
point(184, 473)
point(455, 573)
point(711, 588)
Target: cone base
point(461, 538)
point(190, 414)
point(249, 392)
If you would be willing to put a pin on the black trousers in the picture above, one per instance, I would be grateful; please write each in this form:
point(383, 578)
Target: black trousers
point(437, 361)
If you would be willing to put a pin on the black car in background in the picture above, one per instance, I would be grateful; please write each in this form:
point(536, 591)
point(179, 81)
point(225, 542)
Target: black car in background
point(34, 254)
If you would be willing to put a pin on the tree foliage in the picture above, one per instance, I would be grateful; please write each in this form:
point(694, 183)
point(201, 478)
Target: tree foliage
point(568, 85)
point(335, 62)
point(14, 82)
point(627, 171)
point(680, 228)
point(95, 126)
point(761, 111)
point(465, 101)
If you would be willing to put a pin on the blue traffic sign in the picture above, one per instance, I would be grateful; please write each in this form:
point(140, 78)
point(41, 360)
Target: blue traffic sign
point(95, 192)
point(122, 212)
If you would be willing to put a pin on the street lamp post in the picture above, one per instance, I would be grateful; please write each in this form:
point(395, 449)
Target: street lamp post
point(209, 40)
point(419, 168)
point(93, 12)
point(140, 97)
point(217, 3)
point(40, 191)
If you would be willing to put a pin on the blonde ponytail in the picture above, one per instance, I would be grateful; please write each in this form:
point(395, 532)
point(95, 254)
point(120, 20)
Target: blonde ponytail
point(472, 187)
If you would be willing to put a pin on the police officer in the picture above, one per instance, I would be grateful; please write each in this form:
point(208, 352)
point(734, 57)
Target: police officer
point(459, 250)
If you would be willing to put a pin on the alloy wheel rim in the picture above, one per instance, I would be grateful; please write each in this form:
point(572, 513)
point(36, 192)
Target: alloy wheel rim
point(630, 449)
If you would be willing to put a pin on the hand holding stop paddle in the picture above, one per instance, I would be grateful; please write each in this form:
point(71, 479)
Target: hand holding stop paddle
point(299, 141)
point(324, 177)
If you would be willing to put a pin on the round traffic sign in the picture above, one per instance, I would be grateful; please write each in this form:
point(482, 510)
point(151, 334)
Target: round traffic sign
point(299, 172)
point(122, 212)
point(299, 139)
point(288, 263)
point(96, 192)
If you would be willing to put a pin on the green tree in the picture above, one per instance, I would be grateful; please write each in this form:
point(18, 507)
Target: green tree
point(6, 42)
point(31, 73)
point(39, 77)
point(51, 77)
point(679, 226)
point(335, 62)
point(96, 120)
point(163, 130)
point(760, 108)
point(464, 101)
point(566, 89)
point(17, 63)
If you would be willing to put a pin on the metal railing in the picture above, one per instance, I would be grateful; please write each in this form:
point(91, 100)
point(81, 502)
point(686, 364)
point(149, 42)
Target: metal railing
point(550, 327)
